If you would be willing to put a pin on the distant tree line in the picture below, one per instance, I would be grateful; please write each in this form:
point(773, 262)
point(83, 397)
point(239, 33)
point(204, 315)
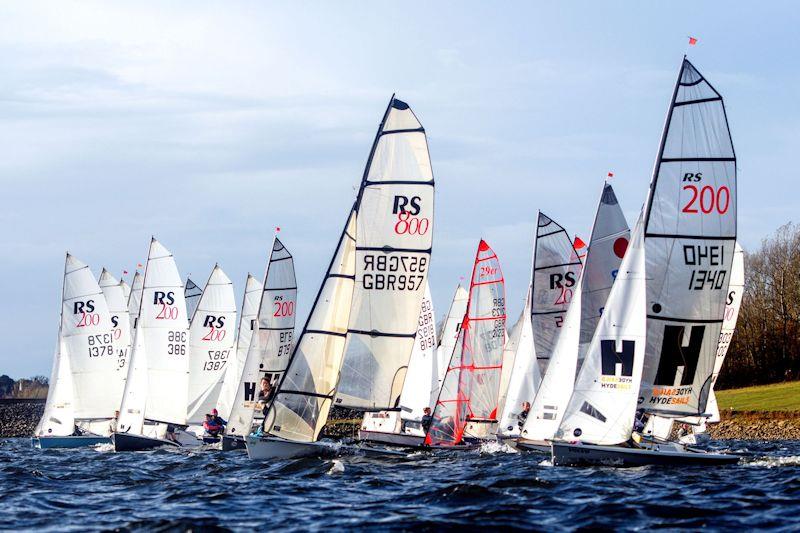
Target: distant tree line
point(766, 343)
point(35, 387)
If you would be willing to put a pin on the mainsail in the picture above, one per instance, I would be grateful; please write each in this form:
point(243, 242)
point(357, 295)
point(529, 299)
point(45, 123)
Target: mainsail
point(305, 392)
point(247, 323)
point(603, 405)
point(395, 227)
point(271, 342)
point(114, 293)
point(525, 377)
point(556, 268)
point(126, 291)
point(86, 333)
point(416, 394)
point(157, 384)
point(135, 299)
point(690, 234)
point(609, 240)
point(192, 295)
point(448, 335)
point(470, 389)
point(211, 341)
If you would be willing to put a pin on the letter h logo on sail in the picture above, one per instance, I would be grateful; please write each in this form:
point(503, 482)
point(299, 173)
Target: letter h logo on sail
point(678, 363)
point(611, 358)
point(249, 391)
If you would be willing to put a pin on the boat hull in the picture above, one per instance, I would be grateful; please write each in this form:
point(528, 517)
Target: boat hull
point(538, 446)
point(80, 441)
point(566, 454)
point(129, 442)
point(392, 439)
point(231, 443)
point(276, 448)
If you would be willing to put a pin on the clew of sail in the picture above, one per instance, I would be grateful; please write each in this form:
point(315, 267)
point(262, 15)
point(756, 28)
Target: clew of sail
point(211, 340)
point(607, 246)
point(271, 343)
point(114, 293)
point(553, 393)
point(191, 294)
point(471, 387)
point(603, 404)
point(690, 234)
point(394, 236)
point(556, 268)
point(236, 369)
point(307, 388)
point(525, 377)
point(86, 333)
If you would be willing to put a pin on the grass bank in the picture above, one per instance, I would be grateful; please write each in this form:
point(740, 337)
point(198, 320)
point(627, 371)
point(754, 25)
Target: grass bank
point(775, 397)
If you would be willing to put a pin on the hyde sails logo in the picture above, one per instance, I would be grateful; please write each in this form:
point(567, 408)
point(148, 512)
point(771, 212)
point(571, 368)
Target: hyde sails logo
point(407, 210)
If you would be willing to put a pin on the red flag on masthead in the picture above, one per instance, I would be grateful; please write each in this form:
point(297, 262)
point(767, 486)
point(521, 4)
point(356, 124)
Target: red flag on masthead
point(692, 41)
point(579, 243)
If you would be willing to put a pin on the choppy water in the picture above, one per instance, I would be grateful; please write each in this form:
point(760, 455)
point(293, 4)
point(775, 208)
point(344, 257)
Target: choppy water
point(179, 489)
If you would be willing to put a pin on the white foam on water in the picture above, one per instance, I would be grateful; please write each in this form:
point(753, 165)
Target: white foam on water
point(495, 446)
point(772, 462)
point(107, 447)
point(336, 468)
point(546, 462)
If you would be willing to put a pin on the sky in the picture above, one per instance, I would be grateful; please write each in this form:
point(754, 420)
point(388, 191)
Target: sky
point(208, 124)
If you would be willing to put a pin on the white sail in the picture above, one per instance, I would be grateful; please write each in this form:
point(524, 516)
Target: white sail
point(416, 394)
point(126, 291)
point(556, 269)
point(448, 337)
point(732, 306)
point(553, 393)
point(235, 373)
point(211, 341)
point(86, 333)
point(135, 299)
point(192, 294)
point(58, 418)
point(690, 233)
point(607, 246)
point(305, 393)
point(114, 293)
point(525, 376)
point(603, 405)
point(394, 235)
point(271, 343)
point(157, 384)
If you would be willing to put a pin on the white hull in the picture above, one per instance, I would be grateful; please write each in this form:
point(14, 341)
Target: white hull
point(261, 448)
point(538, 446)
point(393, 439)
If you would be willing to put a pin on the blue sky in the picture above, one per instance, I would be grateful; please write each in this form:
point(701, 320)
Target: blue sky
point(208, 124)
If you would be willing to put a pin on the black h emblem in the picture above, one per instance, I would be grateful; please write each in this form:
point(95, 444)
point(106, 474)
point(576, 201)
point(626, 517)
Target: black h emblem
point(610, 357)
point(674, 355)
point(249, 391)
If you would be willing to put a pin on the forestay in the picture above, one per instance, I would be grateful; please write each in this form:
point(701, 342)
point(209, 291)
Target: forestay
point(86, 333)
point(690, 233)
point(525, 376)
point(607, 246)
point(395, 227)
point(421, 375)
point(192, 295)
point(470, 389)
point(305, 393)
point(448, 335)
point(235, 373)
point(114, 293)
point(556, 268)
point(135, 299)
point(271, 343)
point(552, 395)
point(603, 405)
point(211, 341)
point(58, 418)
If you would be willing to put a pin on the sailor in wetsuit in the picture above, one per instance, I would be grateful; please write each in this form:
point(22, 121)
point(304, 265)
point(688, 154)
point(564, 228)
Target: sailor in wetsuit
point(522, 416)
point(427, 419)
point(212, 427)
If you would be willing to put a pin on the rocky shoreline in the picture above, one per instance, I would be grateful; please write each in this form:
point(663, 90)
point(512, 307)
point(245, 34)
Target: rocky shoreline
point(19, 419)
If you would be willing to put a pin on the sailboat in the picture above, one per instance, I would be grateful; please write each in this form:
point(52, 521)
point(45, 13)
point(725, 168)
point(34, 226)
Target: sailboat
point(230, 386)
point(556, 269)
point(270, 345)
point(154, 404)
point(211, 342)
point(83, 393)
point(377, 278)
point(466, 409)
point(191, 294)
point(404, 426)
point(657, 339)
